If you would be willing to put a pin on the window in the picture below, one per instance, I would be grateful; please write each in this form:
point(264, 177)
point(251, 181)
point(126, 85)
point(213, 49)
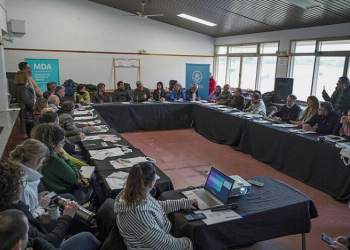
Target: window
point(243, 49)
point(340, 45)
point(302, 73)
point(329, 69)
point(317, 64)
point(234, 69)
point(249, 66)
point(267, 73)
point(221, 70)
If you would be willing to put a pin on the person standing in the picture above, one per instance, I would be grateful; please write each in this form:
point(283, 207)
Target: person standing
point(212, 84)
point(25, 97)
point(340, 98)
point(24, 66)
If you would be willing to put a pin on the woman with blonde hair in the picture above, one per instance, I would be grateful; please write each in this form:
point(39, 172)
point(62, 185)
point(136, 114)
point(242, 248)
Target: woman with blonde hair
point(25, 98)
point(310, 111)
point(177, 94)
point(141, 219)
point(30, 156)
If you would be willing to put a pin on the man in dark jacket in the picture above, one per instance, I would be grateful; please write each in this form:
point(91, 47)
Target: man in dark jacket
point(341, 96)
point(120, 94)
point(289, 112)
point(237, 100)
point(326, 119)
point(141, 94)
point(191, 91)
point(101, 95)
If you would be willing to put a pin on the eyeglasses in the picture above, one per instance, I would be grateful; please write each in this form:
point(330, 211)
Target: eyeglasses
point(320, 110)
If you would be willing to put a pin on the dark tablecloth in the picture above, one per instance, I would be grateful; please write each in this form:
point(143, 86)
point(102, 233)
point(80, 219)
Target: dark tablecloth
point(146, 116)
point(271, 211)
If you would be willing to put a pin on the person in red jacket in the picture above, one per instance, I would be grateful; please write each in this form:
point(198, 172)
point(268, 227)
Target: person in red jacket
point(212, 84)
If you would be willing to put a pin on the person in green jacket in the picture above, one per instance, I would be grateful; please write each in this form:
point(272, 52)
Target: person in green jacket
point(59, 174)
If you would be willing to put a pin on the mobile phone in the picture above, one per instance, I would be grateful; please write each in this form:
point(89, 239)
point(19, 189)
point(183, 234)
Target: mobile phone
point(194, 217)
point(327, 239)
point(51, 195)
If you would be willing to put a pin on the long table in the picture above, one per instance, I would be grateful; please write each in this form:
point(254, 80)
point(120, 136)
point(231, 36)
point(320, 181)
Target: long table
point(103, 168)
point(299, 156)
point(271, 211)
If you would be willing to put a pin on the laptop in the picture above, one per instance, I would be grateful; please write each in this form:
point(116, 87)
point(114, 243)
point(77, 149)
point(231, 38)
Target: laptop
point(216, 190)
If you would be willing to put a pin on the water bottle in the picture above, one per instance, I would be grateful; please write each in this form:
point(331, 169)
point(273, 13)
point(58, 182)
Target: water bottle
point(194, 96)
point(77, 98)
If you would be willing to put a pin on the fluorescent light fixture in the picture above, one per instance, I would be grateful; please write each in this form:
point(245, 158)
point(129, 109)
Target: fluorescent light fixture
point(195, 19)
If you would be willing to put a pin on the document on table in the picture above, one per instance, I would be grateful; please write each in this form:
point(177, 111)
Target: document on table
point(253, 116)
point(127, 163)
point(81, 118)
point(219, 216)
point(86, 171)
point(300, 131)
point(125, 102)
point(115, 183)
point(240, 113)
point(225, 109)
point(219, 106)
point(261, 121)
point(85, 112)
point(284, 125)
point(91, 137)
point(104, 153)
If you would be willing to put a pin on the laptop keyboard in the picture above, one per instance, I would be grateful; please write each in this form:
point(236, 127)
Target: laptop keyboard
point(206, 198)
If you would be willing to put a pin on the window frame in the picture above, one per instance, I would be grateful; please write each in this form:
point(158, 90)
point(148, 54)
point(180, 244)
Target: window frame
point(241, 55)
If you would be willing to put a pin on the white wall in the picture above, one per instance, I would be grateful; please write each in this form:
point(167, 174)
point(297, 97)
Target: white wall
point(285, 36)
point(3, 81)
point(81, 25)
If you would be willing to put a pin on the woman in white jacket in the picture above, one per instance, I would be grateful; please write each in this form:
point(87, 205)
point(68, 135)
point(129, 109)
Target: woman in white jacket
point(142, 220)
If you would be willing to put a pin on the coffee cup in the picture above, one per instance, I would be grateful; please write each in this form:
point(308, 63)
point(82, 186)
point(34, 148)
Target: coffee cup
point(54, 211)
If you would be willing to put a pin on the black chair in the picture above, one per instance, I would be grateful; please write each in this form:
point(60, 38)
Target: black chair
point(127, 86)
point(171, 84)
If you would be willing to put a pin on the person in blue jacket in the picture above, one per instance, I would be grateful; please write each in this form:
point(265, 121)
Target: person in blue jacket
point(177, 94)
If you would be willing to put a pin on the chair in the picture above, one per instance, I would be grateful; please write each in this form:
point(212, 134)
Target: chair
point(171, 84)
point(127, 86)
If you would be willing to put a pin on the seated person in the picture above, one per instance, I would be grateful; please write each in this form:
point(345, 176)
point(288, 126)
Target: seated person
point(101, 95)
point(39, 105)
point(51, 86)
point(192, 93)
point(215, 95)
point(11, 188)
point(69, 147)
point(177, 93)
point(345, 125)
point(159, 93)
point(309, 112)
point(30, 155)
point(121, 94)
point(237, 100)
point(289, 112)
point(47, 94)
point(65, 115)
point(225, 95)
point(60, 92)
point(341, 243)
point(326, 119)
point(141, 219)
point(14, 229)
point(141, 94)
point(54, 102)
point(84, 96)
point(257, 105)
point(59, 174)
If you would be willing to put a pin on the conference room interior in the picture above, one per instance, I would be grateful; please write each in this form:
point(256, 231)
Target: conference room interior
point(87, 37)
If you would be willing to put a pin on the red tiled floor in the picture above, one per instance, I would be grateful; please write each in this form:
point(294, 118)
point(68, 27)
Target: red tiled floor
point(183, 155)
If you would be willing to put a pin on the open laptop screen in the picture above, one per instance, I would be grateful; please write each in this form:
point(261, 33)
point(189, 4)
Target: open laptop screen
point(219, 184)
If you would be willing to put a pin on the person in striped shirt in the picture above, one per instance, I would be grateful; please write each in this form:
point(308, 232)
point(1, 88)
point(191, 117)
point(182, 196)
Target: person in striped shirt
point(142, 220)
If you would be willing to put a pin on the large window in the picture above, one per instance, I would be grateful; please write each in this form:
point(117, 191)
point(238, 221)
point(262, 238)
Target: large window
point(249, 66)
point(317, 65)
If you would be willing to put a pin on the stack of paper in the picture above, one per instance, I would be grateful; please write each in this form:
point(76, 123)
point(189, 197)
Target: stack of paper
point(218, 216)
point(91, 137)
point(104, 153)
point(284, 125)
point(127, 163)
point(86, 171)
point(110, 138)
point(115, 183)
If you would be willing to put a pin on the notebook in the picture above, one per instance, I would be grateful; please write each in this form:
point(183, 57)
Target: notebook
point(216, 190)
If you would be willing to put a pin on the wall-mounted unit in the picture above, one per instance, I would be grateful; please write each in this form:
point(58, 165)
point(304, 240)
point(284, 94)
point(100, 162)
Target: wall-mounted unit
point(17, 26)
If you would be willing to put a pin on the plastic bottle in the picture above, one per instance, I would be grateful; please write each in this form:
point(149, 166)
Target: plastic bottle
point(77, 98)
point(194, 96)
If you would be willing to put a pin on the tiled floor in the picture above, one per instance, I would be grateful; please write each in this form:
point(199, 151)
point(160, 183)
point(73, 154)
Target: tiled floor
point(183, 155)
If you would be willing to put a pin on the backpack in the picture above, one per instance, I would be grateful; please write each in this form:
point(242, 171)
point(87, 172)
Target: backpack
point(268, 98)
point(90, 87)
point(69, 89)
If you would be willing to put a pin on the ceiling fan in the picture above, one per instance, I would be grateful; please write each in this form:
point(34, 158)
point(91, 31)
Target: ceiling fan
point(143, 12)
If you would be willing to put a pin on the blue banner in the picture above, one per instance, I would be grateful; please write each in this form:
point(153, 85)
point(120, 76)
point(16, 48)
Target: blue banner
point(198, 73)
point(44, 71)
